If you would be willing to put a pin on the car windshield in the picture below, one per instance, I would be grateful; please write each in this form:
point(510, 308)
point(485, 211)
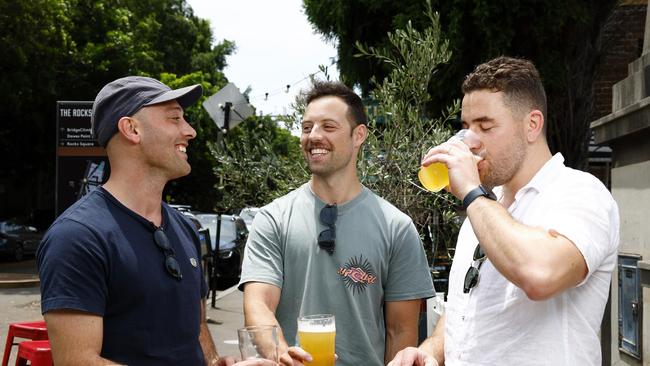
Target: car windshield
point(9, 226)
point(228, 230)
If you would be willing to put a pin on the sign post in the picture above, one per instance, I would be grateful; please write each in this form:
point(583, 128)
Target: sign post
point(81, 164)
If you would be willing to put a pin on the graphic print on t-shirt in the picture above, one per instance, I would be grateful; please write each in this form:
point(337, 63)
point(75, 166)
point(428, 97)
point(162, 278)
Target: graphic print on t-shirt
point(357, 274)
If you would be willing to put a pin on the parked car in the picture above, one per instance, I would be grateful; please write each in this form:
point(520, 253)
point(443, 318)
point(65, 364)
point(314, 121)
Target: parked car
point(248, 214)
point(18, 239)
point(228, 255)
point(186, 210)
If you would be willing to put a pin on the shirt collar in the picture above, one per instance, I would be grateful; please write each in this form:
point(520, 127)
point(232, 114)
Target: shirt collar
point(547, 174)
point(542, 178)
point(342, 208)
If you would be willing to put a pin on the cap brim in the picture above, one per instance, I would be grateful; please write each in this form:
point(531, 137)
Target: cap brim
point(185, 96)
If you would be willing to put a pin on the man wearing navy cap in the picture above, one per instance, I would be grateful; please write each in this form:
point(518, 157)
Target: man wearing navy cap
point(121, 279)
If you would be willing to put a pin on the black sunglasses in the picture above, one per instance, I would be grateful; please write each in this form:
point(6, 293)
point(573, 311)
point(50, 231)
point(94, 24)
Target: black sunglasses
point(471, 277)
point(327, 237)
point(171, 264)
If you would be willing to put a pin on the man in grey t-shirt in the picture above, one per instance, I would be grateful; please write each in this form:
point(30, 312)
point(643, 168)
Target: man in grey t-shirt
point(333, 246)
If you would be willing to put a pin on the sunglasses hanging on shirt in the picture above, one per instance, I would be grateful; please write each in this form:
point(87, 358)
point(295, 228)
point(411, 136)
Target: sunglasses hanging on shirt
point(171, 264)
point(327, 237)
point(471, 277)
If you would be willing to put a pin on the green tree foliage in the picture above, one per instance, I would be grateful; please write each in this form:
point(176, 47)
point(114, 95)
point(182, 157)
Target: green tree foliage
point(257, 162)
point(34, 36)
point(67, 50)
point(403, 133)
point(563, 38)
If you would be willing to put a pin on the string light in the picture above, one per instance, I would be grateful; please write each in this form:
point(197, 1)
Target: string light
point(265, 96)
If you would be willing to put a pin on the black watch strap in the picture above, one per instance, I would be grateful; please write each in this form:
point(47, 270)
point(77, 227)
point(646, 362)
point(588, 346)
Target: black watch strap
point(475, 193)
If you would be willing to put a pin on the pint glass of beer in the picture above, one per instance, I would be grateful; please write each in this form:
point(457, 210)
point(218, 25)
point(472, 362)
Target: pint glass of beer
point(316, 334)
point(435, 177)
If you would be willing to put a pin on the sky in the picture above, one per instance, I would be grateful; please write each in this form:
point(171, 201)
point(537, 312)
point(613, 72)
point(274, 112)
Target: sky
point(276, 47)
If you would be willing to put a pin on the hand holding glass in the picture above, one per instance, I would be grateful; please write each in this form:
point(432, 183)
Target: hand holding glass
point(435, 177)
point(317, 334)
point(260, 341)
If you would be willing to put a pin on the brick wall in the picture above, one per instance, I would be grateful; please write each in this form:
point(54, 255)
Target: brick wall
point(624, 42)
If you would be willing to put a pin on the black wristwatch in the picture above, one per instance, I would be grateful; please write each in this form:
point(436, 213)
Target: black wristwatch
point(475, 193)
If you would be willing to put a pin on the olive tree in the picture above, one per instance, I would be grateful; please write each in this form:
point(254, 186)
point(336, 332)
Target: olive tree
point(403, 131)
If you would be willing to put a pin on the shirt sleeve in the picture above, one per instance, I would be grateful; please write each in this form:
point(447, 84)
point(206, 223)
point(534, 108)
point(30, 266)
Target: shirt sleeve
point(205, 291)
point(263, 254)
point(72, 268)
point(408, 273)
point(588, 216)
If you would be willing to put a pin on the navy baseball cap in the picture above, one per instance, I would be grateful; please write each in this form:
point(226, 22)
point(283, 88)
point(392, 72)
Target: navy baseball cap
point(126, 96)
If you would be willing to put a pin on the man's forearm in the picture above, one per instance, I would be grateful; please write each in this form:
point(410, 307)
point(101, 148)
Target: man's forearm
point(402, 318)
point(435, 344)
point(539, 261)
point(258, 313)
point(207, 345)
point(399, 339)
point(205, 339)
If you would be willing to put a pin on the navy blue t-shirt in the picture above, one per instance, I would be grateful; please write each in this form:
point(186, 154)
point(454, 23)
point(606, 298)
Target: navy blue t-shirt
point(100, 257)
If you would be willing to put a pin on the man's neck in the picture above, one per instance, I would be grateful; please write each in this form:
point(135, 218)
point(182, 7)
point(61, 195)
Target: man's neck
point(337, 191)
point(530, 167)
point(142, 196)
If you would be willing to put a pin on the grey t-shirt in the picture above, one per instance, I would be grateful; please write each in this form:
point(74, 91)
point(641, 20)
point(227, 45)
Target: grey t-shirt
point(378, 257)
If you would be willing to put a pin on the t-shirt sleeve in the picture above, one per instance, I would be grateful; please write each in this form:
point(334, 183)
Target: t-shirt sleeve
point(193, 233)
point(263, 254)
point(408, 273)
point(72, 268)
point(205, 291)
point(588, 216)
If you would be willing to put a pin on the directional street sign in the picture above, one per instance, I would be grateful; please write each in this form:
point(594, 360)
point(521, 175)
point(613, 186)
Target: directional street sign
point(228, 107)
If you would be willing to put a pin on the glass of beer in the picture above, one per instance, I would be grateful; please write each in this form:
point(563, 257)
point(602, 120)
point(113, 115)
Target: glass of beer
point(435, 177)
point(259, 341)
point(316, 334)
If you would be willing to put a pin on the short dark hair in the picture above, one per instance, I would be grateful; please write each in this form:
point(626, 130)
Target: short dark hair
point(356, 110)
point(517, 78)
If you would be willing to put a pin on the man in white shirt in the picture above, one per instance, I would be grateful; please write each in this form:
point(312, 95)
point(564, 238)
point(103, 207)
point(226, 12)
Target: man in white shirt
point(533, 264)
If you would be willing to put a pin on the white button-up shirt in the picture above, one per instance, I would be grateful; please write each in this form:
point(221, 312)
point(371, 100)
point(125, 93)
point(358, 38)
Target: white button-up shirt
point(496, 323)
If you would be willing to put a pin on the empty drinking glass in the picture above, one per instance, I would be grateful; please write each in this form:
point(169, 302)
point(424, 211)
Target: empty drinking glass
point(259, 341)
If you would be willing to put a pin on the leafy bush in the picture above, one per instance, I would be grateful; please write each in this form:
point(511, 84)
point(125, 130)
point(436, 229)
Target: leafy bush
point(403, 133)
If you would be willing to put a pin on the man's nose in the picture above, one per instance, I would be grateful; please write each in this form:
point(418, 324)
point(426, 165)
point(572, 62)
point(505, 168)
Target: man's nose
point(188, 130)
point(472, 140)
point(316, 133)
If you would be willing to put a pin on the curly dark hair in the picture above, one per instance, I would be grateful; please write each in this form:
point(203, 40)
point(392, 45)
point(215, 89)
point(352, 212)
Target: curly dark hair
point(356, 110)
point(517, 78)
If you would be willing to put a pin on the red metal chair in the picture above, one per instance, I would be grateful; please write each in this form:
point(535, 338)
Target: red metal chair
point(30, 330)
point(38, 353)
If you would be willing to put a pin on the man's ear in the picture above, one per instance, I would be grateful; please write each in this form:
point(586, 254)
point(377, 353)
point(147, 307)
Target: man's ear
point(129, 128)
point(534, 125)
point(359, 135)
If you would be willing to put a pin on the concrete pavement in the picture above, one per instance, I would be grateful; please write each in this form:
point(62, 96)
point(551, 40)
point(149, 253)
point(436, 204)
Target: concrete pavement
point(225, 319)
point(17, 304)
point(18, 274)
point(20, 300)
